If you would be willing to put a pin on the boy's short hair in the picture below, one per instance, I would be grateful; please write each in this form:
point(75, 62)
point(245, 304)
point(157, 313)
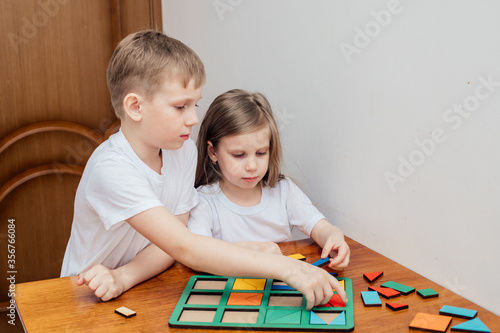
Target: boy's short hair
point(143, 60)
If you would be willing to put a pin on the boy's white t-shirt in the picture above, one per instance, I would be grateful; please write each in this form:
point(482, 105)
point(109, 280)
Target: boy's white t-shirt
point(115, 186)
point(281, 208)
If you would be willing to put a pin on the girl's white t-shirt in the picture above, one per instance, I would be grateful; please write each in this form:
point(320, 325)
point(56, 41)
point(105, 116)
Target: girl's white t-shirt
point(281, 208)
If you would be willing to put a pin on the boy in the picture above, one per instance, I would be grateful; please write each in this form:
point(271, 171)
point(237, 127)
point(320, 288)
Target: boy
point(137, 186)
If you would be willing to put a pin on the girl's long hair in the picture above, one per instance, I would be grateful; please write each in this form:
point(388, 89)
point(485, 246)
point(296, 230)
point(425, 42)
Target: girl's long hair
point(236, 112)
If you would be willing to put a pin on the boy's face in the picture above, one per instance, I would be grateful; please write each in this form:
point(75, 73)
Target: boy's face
point(169, 115)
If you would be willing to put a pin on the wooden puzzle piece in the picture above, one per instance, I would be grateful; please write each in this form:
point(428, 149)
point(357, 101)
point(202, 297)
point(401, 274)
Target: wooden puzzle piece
point(386, 292)
point(427, 293)
point(473, 325)
point(273, 310)
point(405, 290)
point(252, 299)
point(457, 312)
point(371, 298)
point(431, 322)
point(321, 262)
point(396, 306)
point(370, 277)
point(283, 316)
point(297, 256)
point(249, 284)
point(126, 312)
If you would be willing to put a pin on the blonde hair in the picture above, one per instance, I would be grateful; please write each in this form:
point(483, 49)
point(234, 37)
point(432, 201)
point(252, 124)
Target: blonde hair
point(236, 112)
point(143, 60)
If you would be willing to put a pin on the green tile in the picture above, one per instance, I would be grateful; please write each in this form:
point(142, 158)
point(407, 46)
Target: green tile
point(282, 316)
point(405, 290)
point(427, 293)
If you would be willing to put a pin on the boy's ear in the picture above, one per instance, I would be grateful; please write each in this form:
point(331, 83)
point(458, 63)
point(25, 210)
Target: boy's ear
point(211, 151)
point(132, 106)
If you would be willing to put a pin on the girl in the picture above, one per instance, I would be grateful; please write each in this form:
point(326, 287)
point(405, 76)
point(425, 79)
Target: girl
point(244, 197)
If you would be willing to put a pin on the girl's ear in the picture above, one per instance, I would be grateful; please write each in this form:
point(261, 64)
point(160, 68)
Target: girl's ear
point(211, 151)
point(132, 106)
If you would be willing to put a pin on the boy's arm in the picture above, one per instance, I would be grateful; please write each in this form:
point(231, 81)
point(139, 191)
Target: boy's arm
point(218, 257)
point(266, 247)
point(331, 240)
point(111, 283)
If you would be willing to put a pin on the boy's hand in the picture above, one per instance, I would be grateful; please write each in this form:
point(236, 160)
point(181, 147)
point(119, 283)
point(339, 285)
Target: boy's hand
point(339, 253)
point(105, 283)
point(314, 283)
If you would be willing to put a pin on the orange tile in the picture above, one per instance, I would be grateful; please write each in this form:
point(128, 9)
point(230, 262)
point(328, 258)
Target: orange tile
point(253, 299)
point(431, 322)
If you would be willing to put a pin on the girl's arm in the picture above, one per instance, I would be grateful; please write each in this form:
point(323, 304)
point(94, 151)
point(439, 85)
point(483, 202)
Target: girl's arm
point(331, 240)
point(111, 283)
point(217, 257)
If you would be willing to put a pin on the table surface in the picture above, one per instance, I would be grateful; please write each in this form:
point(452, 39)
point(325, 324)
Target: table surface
point(59, 305)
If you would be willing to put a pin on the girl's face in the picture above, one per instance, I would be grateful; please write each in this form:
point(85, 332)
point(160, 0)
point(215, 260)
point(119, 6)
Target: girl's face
point(243, 159)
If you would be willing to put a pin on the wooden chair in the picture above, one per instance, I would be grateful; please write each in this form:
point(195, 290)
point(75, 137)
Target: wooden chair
point(39, 198)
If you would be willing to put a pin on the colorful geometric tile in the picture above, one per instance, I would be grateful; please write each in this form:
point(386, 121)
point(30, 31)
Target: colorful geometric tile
point(342, 283)
point(327, 318)
point(249, 284)
point(297, 256)
point(282, 316)
point(314, 319)
point(474, 325)
point(340, 320)
point(335, 302)
point(280, 285)
point(457, 312)
point(430, 322)
point(252, 299)
point(371, 298)
point(386, 292)
point(427, 293)
point(405, 290)
point(321, 261)
point(370, 277)
point(396, 306)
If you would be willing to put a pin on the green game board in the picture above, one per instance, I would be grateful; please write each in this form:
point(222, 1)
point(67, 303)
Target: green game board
point(252, 303)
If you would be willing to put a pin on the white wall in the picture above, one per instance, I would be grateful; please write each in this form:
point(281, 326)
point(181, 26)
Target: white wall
point(353, 95)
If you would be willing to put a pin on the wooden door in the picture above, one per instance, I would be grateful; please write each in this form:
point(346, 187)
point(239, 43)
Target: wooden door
point(55, 109)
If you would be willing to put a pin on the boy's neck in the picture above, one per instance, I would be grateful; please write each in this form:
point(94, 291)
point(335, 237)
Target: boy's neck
point(151, 156)
point(241, 197)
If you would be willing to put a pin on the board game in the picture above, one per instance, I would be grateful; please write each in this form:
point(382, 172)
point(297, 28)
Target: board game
point(220, 302)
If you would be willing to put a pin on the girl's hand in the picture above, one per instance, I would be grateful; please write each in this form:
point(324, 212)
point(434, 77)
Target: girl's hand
point(331, 239)
point(339, 253)
point(105, 283)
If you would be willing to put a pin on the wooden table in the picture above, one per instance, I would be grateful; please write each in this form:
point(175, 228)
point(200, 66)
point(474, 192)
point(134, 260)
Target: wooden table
point(58, 305)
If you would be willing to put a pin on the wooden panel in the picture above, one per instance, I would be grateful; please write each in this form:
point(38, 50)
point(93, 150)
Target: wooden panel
point(54, 61)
